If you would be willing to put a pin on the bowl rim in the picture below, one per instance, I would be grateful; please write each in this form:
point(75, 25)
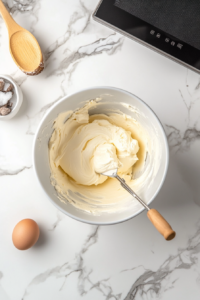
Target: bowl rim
point(19, 98)
point(166, 163)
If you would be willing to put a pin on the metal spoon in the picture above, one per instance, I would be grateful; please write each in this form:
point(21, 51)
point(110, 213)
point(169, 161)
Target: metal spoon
point(154, 216)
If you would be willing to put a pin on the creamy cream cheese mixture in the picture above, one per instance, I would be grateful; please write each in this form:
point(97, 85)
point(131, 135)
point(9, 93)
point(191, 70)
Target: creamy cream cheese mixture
point(82, 146)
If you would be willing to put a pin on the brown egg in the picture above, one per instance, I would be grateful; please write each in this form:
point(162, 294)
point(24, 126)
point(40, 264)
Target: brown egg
point(25, 234)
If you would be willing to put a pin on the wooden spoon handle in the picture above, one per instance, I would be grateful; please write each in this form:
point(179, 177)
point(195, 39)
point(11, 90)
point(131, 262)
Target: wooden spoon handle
point(161, 224)
point(12, 26)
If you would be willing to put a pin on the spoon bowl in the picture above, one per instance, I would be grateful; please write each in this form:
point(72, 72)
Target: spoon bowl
point(26, 52)
point(24, 47)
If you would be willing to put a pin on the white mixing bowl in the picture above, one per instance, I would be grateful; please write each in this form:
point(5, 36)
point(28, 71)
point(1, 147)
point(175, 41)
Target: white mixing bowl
point(111, 98)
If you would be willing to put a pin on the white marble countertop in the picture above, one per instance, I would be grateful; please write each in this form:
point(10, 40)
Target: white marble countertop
point(78, 261)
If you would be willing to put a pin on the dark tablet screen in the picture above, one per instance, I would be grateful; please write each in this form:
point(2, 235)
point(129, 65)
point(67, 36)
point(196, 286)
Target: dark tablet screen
point(180, 18)
point(172, 27)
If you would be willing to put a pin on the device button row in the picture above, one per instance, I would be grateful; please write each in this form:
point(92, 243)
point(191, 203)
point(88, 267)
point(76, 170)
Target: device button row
point(167, 40)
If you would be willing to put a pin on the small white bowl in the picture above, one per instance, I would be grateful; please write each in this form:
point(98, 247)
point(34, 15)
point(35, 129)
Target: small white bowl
point(111, 98)
point(17, 98)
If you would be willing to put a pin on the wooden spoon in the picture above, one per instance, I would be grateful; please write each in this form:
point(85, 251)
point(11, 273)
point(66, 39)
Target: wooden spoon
point(23, 46)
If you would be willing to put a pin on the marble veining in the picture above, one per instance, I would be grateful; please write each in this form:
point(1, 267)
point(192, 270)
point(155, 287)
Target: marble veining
point(59, 218)
point(24, 6)
point(182, 140)
point(78, 261)
point(154, 283)
point(68, 268)
point(68, 65)
point(13, 172)
point(83, 15)
point(149, 285)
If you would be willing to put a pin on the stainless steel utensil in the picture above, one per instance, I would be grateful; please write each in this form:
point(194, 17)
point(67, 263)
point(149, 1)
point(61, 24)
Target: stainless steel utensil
point(154, 216)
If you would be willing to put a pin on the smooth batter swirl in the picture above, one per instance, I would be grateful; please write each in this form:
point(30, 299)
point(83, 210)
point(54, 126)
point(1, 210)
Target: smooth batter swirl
point(82, 146)
point(97, 147)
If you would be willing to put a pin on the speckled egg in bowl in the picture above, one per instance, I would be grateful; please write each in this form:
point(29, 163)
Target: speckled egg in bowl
point(105, 203)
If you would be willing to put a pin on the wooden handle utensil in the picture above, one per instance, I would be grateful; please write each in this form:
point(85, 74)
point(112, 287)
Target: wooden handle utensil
point(154, 216)
point(23, 46)
point(161, 224)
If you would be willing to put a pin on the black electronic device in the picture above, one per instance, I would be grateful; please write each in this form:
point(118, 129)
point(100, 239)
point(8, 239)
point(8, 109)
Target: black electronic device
point(169, 27)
